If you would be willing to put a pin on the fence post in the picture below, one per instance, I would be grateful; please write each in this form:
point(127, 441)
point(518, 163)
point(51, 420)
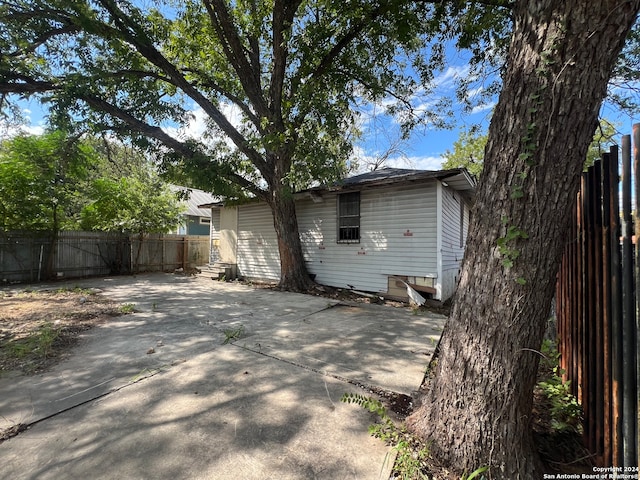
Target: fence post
point(606, 307)
point(578, 347)
point(598, 378)
point(629, 378)
point(185, 253)
point(589, 341)
point(616, 310)
point(636, 163)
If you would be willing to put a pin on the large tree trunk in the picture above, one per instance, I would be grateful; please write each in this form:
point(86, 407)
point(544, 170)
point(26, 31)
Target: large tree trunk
point(476, 409)
point(293, 271)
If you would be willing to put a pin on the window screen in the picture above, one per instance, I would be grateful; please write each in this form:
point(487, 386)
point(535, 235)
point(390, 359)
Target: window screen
point(349, 217)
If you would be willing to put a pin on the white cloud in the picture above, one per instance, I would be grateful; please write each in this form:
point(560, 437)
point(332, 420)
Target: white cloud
point(448, 78)
point(483, 108)
point(199, 125)
point(474, 92)
point(416, 162)
point(194, 128)
point(8, 131)
point(365, 161)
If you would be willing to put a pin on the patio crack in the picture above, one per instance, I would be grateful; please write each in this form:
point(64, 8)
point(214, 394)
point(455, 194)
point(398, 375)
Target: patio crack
point(363, 385)
point(17, 428)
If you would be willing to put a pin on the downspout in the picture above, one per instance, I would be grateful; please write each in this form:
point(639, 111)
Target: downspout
point(438, 284)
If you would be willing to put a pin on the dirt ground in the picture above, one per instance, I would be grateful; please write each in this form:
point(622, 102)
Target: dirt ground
point(38, 328)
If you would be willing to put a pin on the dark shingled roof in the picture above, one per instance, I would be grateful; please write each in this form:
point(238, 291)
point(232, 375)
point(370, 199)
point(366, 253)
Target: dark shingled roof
point(392, 175)
point(387, 176)
point(457, 178)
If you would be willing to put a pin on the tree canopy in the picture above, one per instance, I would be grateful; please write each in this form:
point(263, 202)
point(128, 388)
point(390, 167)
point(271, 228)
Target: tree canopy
point(40, 180)
point(138, 204)
point(468, 152)
point(54, 182)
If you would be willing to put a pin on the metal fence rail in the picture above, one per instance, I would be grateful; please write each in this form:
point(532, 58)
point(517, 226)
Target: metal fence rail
point(597, 306)
point(32, 257)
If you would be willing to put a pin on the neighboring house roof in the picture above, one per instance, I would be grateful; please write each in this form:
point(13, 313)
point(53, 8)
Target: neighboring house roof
point(196, 199)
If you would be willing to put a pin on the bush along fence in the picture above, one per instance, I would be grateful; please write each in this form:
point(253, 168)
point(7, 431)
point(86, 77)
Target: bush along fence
point(597, 305)
point(34, 257)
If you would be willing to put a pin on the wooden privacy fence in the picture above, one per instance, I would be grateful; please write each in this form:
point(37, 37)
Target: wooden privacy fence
point(31, 257)
point(597, 305)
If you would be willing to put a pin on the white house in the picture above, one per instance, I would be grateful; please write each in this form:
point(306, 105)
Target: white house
point(371, 232)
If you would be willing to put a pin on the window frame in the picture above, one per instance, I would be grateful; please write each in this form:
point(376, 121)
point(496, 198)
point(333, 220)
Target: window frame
point(344, 220)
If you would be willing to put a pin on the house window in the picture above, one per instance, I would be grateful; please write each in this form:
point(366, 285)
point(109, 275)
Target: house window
point(349, 217)
point(205, 221)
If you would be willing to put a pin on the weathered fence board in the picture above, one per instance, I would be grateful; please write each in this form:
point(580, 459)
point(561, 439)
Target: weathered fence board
point(597, 306)
point(30, 257)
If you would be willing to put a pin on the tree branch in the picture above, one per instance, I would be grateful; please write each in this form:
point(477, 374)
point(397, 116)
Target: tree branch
point(24, 85)
point(237, 101)
point(383, 8)
point(42, 39)
point(139, 74)
point(160, 135)
point(283, 14)
point(355, 31)
point(509, 4)
point(248, 74)
point(138, 38)
point(254, 42)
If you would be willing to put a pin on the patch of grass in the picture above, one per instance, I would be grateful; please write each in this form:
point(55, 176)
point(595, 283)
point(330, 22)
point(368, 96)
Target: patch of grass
point(564, 410)
point(233, 334)
point(76, 289)
point(411, 452)
point(475, 473)
point(36, 344)
point(127, 308)
point(38, 327)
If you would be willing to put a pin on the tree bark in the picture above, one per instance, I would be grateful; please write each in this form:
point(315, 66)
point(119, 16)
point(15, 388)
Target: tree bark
point(475, 410)
point(293, 271)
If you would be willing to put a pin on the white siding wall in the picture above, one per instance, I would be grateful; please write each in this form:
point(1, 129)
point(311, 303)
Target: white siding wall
point(398, 234)
point(258, 255)
point(214, 236)
point(455, 216)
